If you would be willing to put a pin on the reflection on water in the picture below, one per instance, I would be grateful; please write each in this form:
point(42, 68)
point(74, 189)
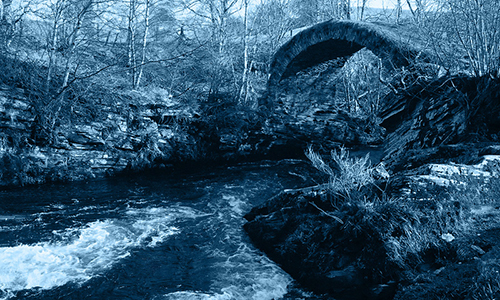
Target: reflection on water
point(153, 236)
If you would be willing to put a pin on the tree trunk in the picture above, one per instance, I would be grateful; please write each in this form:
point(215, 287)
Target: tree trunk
point(347, 9)
point(69, 53)
point(411, 8)
point(52, 109)
point(132, 64)
point(244, 84)
point(53, 44)
point(144, 42)
point(363, 6)
point(399, 9)
point(5, 9)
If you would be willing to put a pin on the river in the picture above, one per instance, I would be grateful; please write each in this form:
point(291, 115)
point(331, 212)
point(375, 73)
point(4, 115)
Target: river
point(161, 235)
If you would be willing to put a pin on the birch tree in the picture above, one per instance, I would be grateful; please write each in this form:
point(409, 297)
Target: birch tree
point(347, 9)
point(132, 63)
point(56, 11)
point(363, 7)
point(244, 82)
point(4, 9)
point(4, 21)
point(399, 10)
point(417, 8)
point(9, 19)
point(274, 21)
point(67, 18)
point(71, 45)
point(138, 31)
point(144, 41)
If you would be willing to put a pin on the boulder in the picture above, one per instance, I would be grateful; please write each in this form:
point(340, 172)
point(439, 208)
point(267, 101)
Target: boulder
point(299, 231)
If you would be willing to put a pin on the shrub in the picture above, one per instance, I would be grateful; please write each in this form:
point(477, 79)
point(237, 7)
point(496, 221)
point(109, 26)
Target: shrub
point(346, 174)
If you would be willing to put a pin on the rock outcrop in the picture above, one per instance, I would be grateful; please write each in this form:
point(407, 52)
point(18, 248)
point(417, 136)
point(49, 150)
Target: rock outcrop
point(391, 244)
point(431, 229)
point(425, 119)
point(155, 133)
point(122, 137)
point(343, 257)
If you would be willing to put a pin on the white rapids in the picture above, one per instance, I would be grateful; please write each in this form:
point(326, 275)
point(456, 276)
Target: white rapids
point(84, 252)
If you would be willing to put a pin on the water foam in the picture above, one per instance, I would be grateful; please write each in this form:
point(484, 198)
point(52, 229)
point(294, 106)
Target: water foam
point(247, 275)
point(242, 272)
point(258, 277)
point(83, 252)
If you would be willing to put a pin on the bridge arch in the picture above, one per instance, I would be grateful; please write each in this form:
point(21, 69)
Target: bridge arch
point(334, 39)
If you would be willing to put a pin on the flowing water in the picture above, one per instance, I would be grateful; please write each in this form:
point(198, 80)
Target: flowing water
point(171, 235)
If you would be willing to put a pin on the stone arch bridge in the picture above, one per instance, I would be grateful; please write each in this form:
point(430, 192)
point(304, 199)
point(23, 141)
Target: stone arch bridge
point(341, 39)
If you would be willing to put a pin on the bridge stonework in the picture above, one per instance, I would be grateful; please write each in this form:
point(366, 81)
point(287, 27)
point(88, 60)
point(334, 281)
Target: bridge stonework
point(341, 39)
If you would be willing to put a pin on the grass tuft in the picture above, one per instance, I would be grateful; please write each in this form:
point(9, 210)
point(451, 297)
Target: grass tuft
point(346, 174)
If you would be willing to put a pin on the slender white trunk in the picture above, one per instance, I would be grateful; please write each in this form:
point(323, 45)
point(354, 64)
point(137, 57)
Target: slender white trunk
point(399, 10)
point(363, 6)
point(131, 42)
point(54, 106)
point(144, 42)
point(244, 84)
point(348, 9)
point(5, 9)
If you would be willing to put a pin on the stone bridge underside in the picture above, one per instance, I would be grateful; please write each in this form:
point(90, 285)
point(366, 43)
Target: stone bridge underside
point(341, 39)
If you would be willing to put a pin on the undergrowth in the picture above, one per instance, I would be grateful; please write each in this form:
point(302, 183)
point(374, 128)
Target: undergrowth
point(419, 227)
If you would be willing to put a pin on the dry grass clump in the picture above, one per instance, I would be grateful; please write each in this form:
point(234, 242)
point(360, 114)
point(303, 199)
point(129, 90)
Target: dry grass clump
point(346, 174)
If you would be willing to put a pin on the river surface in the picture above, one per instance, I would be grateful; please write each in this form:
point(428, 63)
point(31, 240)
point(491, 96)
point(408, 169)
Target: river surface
point(162, 235)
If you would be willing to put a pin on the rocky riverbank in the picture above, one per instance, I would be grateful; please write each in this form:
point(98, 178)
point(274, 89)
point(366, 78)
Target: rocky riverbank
point(107, 140)
point(428, 234)
point(123, 135)
point(429, 230)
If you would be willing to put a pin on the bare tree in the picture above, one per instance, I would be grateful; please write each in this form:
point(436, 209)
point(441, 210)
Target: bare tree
point(244, 82)
point(71, 15)
point(144, 41)
point(4, 23)
point(132, 63)
point(476, 24)
point(2, 8)
point(10, 19)
point(274, 21)
point(56, 13)
point(399, 11)
point(216, 14)
point(69, 52)
point(417, 9)
point(363, 7)
point(347, 9)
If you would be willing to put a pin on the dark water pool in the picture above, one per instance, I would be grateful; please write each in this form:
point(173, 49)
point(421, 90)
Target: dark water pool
point(152, 236)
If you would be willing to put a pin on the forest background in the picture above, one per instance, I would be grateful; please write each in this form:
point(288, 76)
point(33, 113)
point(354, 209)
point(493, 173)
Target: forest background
point(203, 59)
